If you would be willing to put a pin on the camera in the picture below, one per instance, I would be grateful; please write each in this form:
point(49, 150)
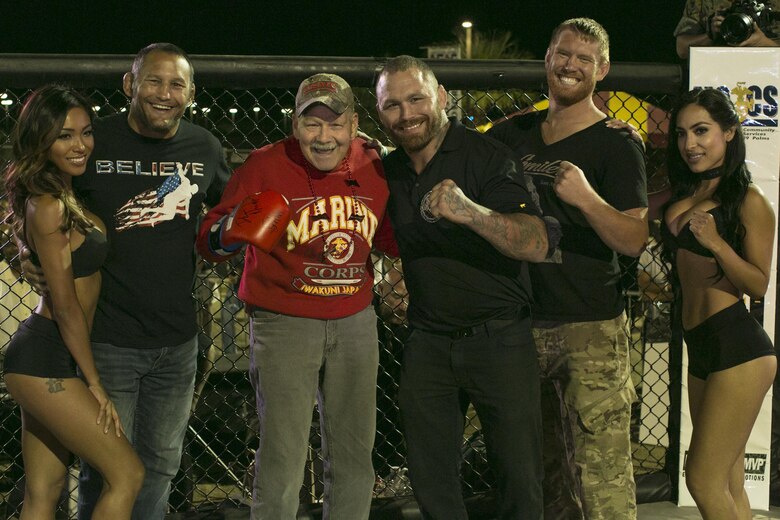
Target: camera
point(737, 25)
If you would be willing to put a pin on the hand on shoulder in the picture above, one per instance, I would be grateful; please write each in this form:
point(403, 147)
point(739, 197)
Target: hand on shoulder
point(633, 132)
point(372, 143)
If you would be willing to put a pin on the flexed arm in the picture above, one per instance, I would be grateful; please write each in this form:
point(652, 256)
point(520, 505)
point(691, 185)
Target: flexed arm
point(516, 235)
point(623, 231)
point(750, 272)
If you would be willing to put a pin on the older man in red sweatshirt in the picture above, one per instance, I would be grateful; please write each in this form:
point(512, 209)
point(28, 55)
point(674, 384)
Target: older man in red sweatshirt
point(314, 332)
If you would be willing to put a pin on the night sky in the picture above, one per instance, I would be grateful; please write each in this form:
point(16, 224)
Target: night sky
point(640, 30)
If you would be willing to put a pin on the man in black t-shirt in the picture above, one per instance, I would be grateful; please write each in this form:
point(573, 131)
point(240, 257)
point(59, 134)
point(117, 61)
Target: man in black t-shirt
point(591, 179)
point(465, 227)
point(148, 178)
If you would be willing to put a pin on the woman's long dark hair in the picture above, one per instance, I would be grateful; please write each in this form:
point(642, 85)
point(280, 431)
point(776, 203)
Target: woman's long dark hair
point(30, 172)
point(735, 177)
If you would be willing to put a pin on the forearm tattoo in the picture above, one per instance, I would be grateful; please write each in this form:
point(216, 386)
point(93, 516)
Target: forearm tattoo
point(457, 205)
point(514, 235)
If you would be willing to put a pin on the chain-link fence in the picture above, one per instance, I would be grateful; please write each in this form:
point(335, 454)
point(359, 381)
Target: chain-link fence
point(247, 103)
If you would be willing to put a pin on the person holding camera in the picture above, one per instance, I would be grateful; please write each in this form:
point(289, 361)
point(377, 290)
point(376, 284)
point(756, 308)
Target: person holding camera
point(738, 23)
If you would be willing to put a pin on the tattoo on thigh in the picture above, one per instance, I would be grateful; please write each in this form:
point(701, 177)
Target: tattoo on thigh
point(55, 385)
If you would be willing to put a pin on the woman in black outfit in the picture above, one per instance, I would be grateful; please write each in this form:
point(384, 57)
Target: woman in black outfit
point(61, 413)
point(718, 238)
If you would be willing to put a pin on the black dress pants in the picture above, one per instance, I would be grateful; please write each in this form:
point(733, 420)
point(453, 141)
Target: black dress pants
point(496, 366)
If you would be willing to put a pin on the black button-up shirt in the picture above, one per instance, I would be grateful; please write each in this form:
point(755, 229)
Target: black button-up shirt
point(455, 277)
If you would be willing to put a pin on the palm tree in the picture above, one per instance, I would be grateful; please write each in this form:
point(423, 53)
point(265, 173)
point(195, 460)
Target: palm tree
point(482, 107)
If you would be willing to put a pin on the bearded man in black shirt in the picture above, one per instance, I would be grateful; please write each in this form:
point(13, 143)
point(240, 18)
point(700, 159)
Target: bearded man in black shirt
point(465, 227)
point(591, 179)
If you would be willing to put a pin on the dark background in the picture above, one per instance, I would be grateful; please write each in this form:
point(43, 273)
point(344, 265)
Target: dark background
point(640, 31)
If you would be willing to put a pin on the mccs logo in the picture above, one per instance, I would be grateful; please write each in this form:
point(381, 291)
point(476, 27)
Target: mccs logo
point(756, 105)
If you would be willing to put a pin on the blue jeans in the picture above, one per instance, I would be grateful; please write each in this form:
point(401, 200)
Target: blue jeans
point(152, 391)
point(498, 371)
point(293, 362)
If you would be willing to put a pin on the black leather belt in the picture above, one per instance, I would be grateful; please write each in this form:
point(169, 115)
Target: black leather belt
point(489, 327)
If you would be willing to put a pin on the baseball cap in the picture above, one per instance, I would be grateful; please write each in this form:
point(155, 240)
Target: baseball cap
point(329, 89)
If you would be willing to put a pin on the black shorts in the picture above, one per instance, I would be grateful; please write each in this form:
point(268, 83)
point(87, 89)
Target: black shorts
point(726, 339)
point(37, 349)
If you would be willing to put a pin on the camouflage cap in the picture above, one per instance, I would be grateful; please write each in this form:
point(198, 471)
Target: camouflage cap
point(329, 89)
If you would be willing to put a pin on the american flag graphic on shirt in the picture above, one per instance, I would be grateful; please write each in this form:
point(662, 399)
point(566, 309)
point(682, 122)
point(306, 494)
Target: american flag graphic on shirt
point(152, 206)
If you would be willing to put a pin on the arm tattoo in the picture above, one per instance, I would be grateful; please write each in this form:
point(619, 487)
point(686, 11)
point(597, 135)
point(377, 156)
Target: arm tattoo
point(457, 205)
point(513, 235)
point(55, 385)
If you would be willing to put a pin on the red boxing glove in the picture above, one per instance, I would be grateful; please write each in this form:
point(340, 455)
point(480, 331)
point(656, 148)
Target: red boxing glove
point(260, 219)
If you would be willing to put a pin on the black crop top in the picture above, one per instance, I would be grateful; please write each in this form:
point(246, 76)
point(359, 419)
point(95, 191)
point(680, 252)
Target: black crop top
point(88, 257)
point(685, 239)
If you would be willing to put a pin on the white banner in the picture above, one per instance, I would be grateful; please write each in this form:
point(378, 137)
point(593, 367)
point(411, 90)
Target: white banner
point(751, 77)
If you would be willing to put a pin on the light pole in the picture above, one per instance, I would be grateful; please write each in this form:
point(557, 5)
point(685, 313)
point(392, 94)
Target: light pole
point(468, 25)
point(287, 120)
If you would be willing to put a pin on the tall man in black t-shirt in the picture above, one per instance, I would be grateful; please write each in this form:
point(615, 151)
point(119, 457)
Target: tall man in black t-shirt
point(148, 178)
point(591, 179)
point(465, 225)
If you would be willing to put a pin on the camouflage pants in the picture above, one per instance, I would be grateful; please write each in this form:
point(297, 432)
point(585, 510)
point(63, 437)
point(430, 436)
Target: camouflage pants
point(586, 404)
